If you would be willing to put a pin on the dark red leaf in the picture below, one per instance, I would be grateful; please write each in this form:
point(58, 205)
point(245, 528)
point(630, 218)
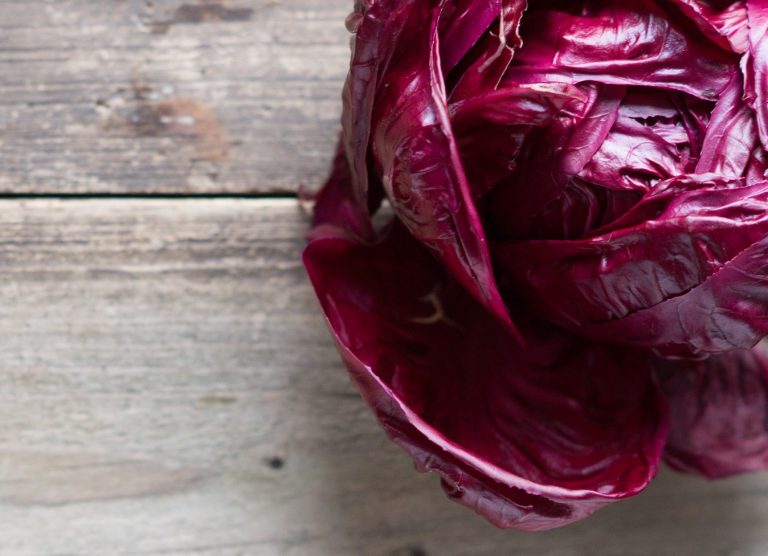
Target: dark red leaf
point(718, 411)
point(695, 250)
point(528, 438)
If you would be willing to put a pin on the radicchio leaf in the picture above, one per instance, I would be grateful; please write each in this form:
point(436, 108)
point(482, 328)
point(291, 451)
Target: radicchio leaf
point(417, 157)
point(718, 413)
point(675, 246)
point(531, 438)
point(633, 42)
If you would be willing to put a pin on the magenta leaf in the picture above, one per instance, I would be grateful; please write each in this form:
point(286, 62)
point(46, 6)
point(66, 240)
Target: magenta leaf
point(528, 438)
point(718, 410)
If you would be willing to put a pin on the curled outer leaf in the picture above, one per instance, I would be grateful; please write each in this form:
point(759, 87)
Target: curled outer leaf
point(530, 440)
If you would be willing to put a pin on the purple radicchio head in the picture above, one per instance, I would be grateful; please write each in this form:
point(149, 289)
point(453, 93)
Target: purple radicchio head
point(572, 281)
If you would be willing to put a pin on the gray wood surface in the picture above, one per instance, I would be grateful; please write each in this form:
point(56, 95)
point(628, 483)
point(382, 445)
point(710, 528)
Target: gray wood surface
point(167, 387)
point(171, 96)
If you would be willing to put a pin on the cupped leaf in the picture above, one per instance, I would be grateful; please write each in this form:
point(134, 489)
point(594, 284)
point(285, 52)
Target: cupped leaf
point(533, 438)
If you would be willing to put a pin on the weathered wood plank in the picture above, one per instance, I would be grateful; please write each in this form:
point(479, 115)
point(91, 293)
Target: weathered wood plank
point(167, 386)
point(121, 96)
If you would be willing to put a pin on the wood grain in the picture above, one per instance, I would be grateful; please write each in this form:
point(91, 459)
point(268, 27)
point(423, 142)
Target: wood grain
point(168, 387)
point(169, 96)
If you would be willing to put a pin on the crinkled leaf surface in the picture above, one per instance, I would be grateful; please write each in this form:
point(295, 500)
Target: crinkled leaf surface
point(633, 42)
point(675, 246)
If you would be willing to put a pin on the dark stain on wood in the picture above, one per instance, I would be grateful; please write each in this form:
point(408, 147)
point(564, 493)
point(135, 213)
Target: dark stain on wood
point(275, 462)
point(159, 27)
point(210, 12)
point(414, 550)
point(217, 400)
point(151, 115)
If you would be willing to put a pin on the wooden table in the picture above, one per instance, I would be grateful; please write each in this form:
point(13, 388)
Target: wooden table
point(167, 385)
